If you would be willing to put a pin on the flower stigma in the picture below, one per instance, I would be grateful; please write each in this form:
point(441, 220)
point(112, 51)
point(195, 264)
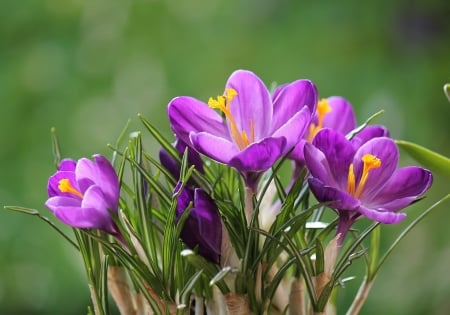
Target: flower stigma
point(65, 186)
point(322, 109)
point(222, 103)
point(369, 162)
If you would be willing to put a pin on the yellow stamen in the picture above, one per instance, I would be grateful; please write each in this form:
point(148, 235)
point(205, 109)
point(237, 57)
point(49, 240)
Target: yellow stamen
point(322, 109)
point(351, 181)
point(222, 103)
point(65, 186)
point(370, 162)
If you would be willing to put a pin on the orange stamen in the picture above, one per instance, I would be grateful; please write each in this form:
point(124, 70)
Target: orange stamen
point(65, 186)
point(322, 109)
point(370, 162)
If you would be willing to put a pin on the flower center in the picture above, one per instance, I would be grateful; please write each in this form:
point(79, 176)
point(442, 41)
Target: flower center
point(322, 109)
point(65, 186)
point(222, 103)
point(370, 162)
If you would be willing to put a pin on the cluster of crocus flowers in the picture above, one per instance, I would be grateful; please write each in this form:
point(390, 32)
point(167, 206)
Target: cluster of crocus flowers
point(255, 129)
point(85, 194)
point(360, 177)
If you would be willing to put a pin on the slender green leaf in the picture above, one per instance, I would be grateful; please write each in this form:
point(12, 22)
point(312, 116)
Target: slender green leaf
point(430, 159)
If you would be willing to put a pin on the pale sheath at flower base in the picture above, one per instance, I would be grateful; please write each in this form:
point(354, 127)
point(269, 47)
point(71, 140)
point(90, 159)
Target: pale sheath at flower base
point(254, 131)
point(84, 194)
point(361, 177)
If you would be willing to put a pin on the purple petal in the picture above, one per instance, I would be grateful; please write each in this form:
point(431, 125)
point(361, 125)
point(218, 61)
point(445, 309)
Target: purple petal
point(291, 99)
point(259, 156)
point(339, 153)
point(294, 128)
point(57, 202)
point(252, 107)
point(67, 165)
point(382, 215)
point(209, 224)
point(85, 173)
point(368, 133)
point(341, 199)
point(386, 150)
point(278, 90)
point(297, 153)
point(341, 118)
point(107, 179)
point(94, 198)
point(404, 186)
point(217, 148)
point(187, 115)
point(318, 166)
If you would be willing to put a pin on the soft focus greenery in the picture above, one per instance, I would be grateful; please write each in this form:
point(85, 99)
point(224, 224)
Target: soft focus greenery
point(86, 67)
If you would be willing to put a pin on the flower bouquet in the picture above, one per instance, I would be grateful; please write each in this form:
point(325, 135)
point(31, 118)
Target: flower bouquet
point(250, 209)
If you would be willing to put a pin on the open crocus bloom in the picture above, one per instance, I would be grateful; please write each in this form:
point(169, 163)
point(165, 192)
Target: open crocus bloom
point(83, 194)
point(203, 227)
point(362, 180)
point(245, 128)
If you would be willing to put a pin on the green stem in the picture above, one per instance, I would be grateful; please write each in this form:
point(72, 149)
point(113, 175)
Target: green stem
point(361, 296)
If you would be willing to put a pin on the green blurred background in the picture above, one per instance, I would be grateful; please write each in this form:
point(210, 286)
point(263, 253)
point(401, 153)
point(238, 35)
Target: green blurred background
point(86, 67)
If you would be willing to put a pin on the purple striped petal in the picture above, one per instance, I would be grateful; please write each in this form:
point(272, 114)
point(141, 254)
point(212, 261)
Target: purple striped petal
point(188, 115)
point(341, 118)
point(217, 148)
point(341, 199)
point(339, 153)
point(404, 186)
point(252, 107)
point(382, 215)
point(294, 128)
point(259, 156)
point(291, 99)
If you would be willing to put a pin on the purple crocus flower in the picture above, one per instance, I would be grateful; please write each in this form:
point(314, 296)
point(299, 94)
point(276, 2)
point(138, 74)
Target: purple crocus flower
point(203, 227)
point(254, 131)
point(334, 112)
point(362, 178)
point(83, 194)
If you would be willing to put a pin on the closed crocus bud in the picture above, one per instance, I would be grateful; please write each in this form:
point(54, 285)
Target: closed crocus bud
point(203, 227)
point(84, 194)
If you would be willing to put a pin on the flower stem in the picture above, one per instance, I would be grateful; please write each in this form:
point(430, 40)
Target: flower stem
point(248, 206)
point(361, 297)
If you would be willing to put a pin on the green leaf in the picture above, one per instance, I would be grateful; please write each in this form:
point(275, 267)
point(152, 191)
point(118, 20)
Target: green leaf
point(430, 159)
point(374, 251)
point(352, 133)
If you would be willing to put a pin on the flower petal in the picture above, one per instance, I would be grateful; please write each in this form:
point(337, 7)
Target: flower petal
point(97, 205)
point(341, 199)
point(368, 133)
point(404, 186)
point(67, 165)
point(252, 107)
point(215, 147)
point(318, 166)
point(187, 114)
point(291, 99)
point(108, 181)
point(381, 215)
point(341, 118)
point(57, 202)
point(339, 153)
point(259, 156)
point(294, 128)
